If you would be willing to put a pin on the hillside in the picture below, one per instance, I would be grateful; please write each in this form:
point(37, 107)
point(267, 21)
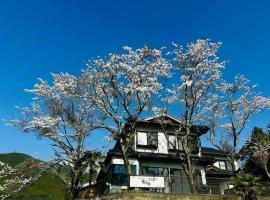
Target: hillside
point(47, 187)
point(13, 159)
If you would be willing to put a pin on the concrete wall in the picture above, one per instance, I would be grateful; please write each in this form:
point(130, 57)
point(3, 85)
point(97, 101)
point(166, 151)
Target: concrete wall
point(156, 196)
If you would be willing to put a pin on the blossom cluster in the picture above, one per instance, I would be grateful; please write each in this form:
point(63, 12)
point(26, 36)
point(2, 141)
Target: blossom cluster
point(12, 180)
point(199, 69)
point(237, 102)
point(124, 85)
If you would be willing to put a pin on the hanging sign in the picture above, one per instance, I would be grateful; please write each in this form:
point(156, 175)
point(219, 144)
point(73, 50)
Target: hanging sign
point(147, 182)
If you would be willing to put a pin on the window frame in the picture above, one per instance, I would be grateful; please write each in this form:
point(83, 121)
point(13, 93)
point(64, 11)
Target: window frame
point(148, 145)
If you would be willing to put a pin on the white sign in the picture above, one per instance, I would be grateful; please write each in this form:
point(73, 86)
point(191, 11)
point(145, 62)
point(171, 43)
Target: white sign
point(147, 182)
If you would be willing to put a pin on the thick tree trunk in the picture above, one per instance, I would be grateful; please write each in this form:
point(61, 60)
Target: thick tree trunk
point(233, 156)
point(74, 187)
point(77, 171)
point(74, 194)
point(231, 160)
point(193, 188)
point(191, 175)
point(127, 164)
point(188, 163)
point(234, 168)
point(75, 181)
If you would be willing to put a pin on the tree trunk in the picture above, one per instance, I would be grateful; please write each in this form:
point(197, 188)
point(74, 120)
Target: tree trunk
point(74, 187)
point(231, 161)
point(189, 165)
point(75, 183)
point(127, 164)
point(74, 193)
point(193, 189)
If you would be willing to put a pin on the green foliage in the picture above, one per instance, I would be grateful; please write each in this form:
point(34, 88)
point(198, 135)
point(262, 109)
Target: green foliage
point(256, 153)
point(259, 135)
point(247, 185)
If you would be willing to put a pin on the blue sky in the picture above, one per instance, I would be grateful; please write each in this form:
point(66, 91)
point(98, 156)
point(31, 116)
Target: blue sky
point(40, 37)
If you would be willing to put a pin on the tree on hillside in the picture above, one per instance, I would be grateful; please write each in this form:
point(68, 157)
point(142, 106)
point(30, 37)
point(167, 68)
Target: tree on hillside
point(257, 150)
point(15, 179)
point(230, 114)
point(198, 69)
point(124, 88)
point(64, 114)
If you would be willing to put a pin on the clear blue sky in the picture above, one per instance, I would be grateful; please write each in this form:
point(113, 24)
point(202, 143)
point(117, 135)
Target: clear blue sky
point(39, 37)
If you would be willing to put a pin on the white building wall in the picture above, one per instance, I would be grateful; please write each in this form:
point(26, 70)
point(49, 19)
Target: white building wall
point(223, 186)
point(162, 143)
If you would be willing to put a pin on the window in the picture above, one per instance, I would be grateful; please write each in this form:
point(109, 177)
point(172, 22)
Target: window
point(222, 165)
point(172, 142)
point(119, 176)
point(176, 180)
point(193, 143)
point(153, 171)
point(142, 138)
point(148, 139)
point(152, 140)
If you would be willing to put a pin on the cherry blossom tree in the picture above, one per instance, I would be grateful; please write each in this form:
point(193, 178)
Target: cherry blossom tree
point(124, 88)
point(5, 171)
point(230, 113)
point(199, 70)
point(63, 113)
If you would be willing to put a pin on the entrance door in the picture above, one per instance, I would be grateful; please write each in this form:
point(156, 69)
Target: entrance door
point(179, 181)
point(175, 182)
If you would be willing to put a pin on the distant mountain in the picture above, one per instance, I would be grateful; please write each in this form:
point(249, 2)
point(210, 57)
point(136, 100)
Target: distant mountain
point(48, 187)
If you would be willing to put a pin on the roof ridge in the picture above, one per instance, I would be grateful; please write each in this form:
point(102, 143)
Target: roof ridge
point(162, 115)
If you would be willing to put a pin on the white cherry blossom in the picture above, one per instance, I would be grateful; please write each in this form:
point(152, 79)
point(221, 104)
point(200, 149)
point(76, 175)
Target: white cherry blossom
point(229, 115)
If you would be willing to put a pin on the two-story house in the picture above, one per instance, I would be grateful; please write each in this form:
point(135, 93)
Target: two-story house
point(155, 164)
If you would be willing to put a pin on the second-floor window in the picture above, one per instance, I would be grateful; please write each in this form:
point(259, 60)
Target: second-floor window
point(147, 139)
point(172, 142)
point(221, 164)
